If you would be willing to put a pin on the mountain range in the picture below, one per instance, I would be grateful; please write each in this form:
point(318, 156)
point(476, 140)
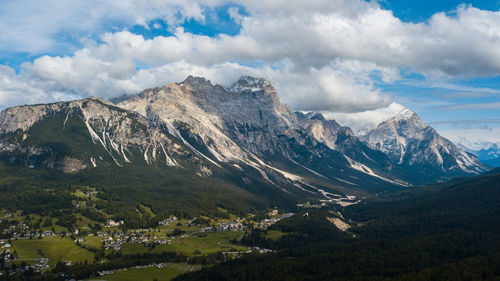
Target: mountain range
point(489, 154)
point(206, 131)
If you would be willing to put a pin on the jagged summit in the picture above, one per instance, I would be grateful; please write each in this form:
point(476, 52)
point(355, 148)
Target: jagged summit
point(315, 116)
point(196, 81)
point(406, 117)
point(404, 114)
point(252, 87)
point(244, 83)
point(405, 123)
point(255, 87)
point(250, 83)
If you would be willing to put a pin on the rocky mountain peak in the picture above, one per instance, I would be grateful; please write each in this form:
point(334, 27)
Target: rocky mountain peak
point(408, 141)
point(250, 83)
point(253, 86)
point(315, 116)
point(406, 119)
point(404, 114)
point(196, 81)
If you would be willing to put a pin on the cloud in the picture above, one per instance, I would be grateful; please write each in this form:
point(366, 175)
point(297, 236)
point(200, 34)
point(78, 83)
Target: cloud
point(465, 121)
point(109, 69)
point(234, 13)
point(472, 106)
point(331, 88)
point(460, 44)
point(362, 122)
point(474, 145)
point(474, 135)
point(46, 26)
point(450, 89)
point(17, 89)
point(463, 43)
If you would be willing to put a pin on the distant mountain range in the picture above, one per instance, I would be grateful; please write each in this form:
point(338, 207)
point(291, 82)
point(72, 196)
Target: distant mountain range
point(244, 130)
point(489, 155)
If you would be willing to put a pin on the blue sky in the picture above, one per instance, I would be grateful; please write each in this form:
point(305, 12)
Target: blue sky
point(357, 61)
point(418, 11)
point(436, 102)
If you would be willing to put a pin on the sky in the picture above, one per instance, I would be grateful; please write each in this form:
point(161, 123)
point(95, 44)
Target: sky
point(356, 61)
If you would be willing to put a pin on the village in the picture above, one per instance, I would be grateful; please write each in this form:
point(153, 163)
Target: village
point(113, 238)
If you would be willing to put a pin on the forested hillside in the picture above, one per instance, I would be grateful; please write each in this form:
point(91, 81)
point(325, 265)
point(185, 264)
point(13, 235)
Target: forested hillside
point(450, 234)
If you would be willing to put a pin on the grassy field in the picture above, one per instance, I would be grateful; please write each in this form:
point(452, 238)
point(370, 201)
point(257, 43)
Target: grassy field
point(184, 226)
point(81, 222)
point(93, 241)
point(205, 243)
point(166, 273)
point(274, 234)
point(54, 248)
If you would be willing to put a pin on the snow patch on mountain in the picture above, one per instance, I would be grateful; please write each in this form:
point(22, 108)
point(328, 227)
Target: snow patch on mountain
point(404, 114)
point(249, 83)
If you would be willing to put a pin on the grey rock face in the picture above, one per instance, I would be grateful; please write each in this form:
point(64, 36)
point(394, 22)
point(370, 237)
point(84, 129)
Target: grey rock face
point(246, 123)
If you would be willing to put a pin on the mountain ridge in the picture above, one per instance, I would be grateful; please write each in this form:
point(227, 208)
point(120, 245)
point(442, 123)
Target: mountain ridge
point(196, 124)
point(489, 155)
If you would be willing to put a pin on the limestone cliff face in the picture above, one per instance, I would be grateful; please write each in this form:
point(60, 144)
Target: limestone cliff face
point(83, 133)
point(229, 122)
point(246, 123)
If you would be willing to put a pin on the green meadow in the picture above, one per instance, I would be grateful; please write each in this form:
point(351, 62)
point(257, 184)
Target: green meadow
point(274, 234)
point(93, 242)
point(170, 271)
point(196, 244)
point(54, 248)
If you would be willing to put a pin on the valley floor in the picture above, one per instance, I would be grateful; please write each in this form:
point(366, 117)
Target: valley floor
point(447, 231)
point(116, 253)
